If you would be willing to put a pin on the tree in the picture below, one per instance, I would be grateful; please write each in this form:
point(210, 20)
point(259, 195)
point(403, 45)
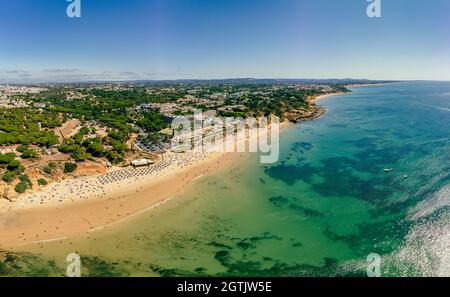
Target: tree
point(29, 154)
point(96, 149)
point(14, 165)
point(7, 158)
point(84, 130)
point(25, 179)
point(50, 168)
point(42, 182)
point(70, 167)
point(21, 187)
point(22, 148)
point(8, 176)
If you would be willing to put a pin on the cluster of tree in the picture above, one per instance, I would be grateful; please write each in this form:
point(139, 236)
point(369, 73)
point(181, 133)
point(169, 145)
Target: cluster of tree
point(12, 167)
point(23, 185)
point(50, 168)
point(83, 148)
point(113, 109)
point(108, 108)
point(135, 96)
point(281, 99)
point(232, 113)
point(26, 126)
point(70, 167)
point(152, 121)
point(27, 153)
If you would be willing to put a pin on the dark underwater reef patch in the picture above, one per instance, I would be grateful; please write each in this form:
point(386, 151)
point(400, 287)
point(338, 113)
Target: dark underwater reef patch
point(251, 242)
point(27, 265)
point(382, 237)
point(290, 174)
point(339, 175)
point(340, 180)
point(423, 190)
point(31, 265)
point(337, 179)
point(293, 204)
point(95, 266)
point(297, 244)
point(301, 147)
point(277, 268)
point(219, 245)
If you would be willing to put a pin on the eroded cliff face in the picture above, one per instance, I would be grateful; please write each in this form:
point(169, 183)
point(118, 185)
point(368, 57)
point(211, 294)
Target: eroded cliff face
point(87, 168)
point(303, 114)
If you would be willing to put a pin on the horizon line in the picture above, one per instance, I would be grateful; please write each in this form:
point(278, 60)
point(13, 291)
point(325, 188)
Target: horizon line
point(218, 79)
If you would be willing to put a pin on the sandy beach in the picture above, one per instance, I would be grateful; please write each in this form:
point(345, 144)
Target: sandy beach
point(321, 97)
point(80, 206)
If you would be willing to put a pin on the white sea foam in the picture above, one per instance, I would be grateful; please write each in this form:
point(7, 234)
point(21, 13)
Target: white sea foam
point(439, 200)
point(427, 249)
point(436, 107)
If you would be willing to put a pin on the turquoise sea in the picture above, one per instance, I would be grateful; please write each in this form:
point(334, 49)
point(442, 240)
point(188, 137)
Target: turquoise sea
point(319, 211)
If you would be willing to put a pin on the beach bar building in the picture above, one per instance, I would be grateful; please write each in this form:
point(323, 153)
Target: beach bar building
point(141, 163)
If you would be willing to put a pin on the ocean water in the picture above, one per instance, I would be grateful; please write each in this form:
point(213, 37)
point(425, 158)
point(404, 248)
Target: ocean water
point(319, 211)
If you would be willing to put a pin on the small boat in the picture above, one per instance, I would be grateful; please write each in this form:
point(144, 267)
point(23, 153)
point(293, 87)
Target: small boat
point(388, 169)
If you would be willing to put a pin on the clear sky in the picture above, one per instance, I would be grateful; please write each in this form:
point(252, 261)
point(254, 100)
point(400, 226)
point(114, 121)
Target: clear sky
point(170, 39)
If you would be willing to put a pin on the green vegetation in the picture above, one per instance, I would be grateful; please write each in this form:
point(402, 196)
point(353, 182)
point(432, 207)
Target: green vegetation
point(42, 182)
point(13, 167)
point(70, 167)
point(152, 121)
point(49, 169)
point(24, 178)
point(7, 158)
point(21, 148)
point(21, 187)
point(8, 177)
point(29, 154)
point(26, 126)
point(114, 109)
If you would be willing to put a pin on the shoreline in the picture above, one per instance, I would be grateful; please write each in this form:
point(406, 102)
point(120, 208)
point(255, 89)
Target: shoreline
point(90, 205)
point(320, 110)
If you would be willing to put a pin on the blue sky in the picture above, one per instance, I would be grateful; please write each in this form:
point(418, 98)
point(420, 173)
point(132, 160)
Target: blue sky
point(170, 39)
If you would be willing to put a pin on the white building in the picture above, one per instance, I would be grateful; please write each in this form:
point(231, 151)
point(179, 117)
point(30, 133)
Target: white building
point(141, 163)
